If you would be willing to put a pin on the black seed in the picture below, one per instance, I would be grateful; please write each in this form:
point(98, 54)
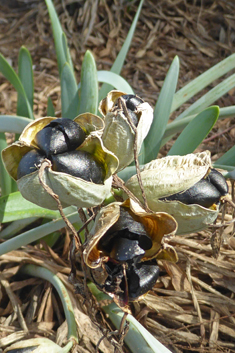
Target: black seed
point(125, 227)
point(218, 180)
point(29, 163)
point(59, 136)
point(141, 278)
point(202, 193)
point(125, 250)
point(126, 221)
point(133, 117)
point(80, 164)
point(132, 101)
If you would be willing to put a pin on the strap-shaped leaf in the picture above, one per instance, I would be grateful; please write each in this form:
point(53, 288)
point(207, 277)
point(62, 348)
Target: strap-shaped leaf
point(161, 112)
point(228, 159)
point(195, 132)
point(69, 93)
point(89, 85)
point(62, 52)
point(11, 75)
point(50, 107)
point(195, 86)
point(118, 63)
point(177, 126)
point(36, 233)
point(210, 97)
point(117, 81)
point(25, 72)
point(12, 123)
point(5, 179)
point(14, 207)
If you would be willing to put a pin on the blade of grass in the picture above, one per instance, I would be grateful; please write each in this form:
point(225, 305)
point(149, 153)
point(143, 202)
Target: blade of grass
point(14, 124)
point(195, 132)
point(152, 142)
point(50, 107)
point(25, 73)
point(69, 93)
point(89, 85)
point(12, 77)
point(195, 86)
point(62, 52)
point(118, 63)
point(115, 80)
point(210, 97)
point(5, 179)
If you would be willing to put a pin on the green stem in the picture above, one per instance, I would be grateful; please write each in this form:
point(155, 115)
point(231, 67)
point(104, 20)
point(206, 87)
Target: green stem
point(138, 339)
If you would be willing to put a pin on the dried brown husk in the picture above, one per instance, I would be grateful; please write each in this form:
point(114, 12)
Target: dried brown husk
point(118, 135)
point(71, 190)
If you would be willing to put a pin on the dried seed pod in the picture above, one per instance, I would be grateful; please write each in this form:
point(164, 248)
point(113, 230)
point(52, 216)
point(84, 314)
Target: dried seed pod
point(163, 178)
point(59, 136)
point(72, 190)
point(118, 135)
point(122, 246)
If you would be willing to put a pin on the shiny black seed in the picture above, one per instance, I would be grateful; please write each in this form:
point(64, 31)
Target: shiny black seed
point(202, 193)
point(126, 221)
point(59, 136)
point(132, 101)
point(29, 163)
point(125, 250)
point(125, 227)
point(218, 180)
point(80, 164)
point(133, 117)
point(141, 278)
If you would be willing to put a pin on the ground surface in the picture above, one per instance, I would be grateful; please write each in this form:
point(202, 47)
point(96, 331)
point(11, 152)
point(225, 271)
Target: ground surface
point(201, 33)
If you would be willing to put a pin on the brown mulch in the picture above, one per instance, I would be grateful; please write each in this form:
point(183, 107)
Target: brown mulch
point(192, 306)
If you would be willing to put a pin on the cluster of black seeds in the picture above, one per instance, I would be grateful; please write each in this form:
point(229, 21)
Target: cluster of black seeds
point(206, 192)
point(125, 244)
point(58, 141)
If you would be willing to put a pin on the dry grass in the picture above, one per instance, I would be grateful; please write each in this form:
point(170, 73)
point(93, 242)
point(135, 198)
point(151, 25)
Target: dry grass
point(192, 306)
